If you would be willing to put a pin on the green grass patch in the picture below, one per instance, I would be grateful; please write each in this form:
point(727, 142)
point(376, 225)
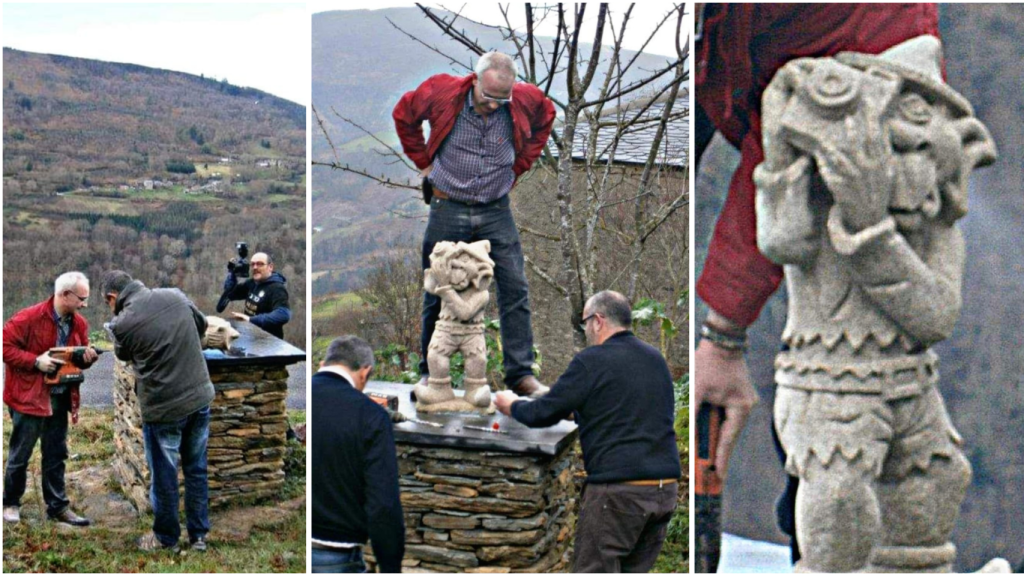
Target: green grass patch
point(331, 305)
point(37, 545)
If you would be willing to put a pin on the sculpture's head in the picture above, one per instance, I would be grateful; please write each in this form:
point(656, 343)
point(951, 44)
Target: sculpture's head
point(219, 333)
point(929, 128)
point(472, 266)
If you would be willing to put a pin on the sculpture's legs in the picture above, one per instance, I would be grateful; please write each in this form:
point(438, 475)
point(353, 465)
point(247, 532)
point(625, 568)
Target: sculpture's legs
point(837, 516)
point(439, 383)
point(920, 513)
point(474, 350)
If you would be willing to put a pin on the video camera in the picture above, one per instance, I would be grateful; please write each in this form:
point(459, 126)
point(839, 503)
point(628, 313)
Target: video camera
point(240, 266)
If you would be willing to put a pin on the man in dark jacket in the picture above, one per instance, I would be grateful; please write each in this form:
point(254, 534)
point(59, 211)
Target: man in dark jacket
point(38, 411)
point(485, 131)
point(620, 390)
point(265, 295)
point(159, 332)
point(355, 479)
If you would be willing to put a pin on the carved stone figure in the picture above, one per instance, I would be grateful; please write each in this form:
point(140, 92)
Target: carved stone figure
point(219, 333)
point(460, 275)
point(865, 174)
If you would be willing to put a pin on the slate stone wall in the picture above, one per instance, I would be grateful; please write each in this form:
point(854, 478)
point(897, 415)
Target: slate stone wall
point(487, 512)
point(248, 427)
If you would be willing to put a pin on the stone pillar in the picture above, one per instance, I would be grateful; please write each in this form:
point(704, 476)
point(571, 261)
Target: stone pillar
point(484, 502)
point(248, 423)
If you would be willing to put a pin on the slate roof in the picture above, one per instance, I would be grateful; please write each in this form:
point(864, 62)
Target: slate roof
point(635, 145)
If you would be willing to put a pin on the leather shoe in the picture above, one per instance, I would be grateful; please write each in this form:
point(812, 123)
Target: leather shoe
point(530, 387)
point(71, 519)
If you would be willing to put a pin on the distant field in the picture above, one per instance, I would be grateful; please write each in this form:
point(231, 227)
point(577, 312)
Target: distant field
point(215, 170)
point(330, 305)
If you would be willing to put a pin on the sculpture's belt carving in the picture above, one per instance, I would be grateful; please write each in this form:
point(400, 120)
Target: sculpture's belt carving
point(459, 328)
point(896, 377)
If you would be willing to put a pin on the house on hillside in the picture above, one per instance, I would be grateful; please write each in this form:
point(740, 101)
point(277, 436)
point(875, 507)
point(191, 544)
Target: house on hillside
point(665, 264)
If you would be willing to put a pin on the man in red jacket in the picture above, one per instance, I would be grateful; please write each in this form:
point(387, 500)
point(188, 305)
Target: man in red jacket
point(485, 130)
point(739, 49)
point(40, 412)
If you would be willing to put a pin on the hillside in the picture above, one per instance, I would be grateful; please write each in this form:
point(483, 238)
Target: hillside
point(111, 165)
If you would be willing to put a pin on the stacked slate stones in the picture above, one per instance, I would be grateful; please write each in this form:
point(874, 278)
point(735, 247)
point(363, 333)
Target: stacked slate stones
point(248, 425)
point(486, 512)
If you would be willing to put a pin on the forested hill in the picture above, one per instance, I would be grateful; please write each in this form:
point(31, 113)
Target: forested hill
point(72, 121)
point(154, 172)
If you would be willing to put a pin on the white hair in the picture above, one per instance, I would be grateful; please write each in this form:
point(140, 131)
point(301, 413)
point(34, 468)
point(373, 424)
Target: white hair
point(503, 63)
point(68, 281)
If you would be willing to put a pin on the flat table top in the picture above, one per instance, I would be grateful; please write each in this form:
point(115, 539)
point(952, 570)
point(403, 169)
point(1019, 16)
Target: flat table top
point(513, 436)
point(254, 347)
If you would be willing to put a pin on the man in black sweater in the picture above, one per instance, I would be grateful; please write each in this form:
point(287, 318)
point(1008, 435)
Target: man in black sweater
point(355, 471)
point(265, 295)
point(620, 391)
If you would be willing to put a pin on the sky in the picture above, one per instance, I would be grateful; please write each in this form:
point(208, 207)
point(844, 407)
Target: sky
point(644, 18)
point(262, 46)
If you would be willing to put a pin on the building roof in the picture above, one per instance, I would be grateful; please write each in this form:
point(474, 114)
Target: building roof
point(635, 144)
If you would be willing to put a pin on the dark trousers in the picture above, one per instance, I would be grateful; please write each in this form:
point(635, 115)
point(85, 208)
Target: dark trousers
point(455, 221)
point(621, 527)
point(167, 443)
point(52, 431)
point(338, 561)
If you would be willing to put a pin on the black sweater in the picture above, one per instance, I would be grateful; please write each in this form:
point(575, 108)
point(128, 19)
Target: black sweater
point(355, 471)
point(621, 392)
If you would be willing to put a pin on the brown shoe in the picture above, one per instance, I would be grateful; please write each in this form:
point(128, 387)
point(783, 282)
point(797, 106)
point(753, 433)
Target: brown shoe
point(530, 387)
point(71, 519)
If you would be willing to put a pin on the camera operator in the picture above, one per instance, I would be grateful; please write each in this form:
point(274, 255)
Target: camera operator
point(265, 295)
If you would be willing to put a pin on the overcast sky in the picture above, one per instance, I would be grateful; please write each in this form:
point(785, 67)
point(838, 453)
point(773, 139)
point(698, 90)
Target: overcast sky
point(644, 18)
point(263, 46)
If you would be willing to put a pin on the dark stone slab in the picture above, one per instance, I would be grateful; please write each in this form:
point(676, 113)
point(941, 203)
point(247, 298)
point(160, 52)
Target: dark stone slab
point(254, 347)
point(516, 438)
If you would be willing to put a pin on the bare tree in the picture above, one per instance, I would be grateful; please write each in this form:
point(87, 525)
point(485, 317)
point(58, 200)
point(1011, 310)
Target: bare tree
point(608, 111)
point(394, 288)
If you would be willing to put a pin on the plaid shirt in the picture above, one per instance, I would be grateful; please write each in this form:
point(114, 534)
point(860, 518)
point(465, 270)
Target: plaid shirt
point(474, 165)
point(63, 333)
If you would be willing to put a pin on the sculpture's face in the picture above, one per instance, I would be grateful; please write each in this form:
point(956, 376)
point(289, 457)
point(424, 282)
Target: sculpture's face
point(462, 272)
point(929, 155)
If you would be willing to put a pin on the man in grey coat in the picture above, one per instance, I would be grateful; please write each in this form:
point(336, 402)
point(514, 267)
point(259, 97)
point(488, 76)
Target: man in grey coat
point(159, 332)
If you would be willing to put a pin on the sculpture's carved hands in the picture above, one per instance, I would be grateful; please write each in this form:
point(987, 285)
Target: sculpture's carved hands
point(860, 172)
point(721, 378)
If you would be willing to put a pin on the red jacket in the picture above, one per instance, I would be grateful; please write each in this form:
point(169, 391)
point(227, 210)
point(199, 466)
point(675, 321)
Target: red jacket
point(743, 45)
point(440, 99)
point(28, 334)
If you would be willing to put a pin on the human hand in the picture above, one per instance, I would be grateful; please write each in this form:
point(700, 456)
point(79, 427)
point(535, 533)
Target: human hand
point(426, 171)
point(47, 364)
point(90, 355)
point(239, 316)
point(721, 379)
point(503, 401)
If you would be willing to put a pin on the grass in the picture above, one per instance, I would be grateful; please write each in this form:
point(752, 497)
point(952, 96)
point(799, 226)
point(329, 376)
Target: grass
point(330, 305)
point(36, 545)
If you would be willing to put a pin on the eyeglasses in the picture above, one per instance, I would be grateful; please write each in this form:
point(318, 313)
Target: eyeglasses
point(80, 299)
point(490, 98)
point(259, 264)
point(583, 325)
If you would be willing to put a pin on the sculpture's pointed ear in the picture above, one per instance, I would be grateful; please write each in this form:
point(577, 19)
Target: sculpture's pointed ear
point(979, 150)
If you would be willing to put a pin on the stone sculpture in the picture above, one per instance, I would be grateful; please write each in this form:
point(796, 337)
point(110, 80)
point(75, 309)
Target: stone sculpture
point(865, 174)
point(460, 274)
point(219, 333)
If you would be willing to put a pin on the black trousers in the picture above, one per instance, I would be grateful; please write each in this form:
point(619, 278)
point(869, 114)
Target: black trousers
point(621, 527)
point(52, 432)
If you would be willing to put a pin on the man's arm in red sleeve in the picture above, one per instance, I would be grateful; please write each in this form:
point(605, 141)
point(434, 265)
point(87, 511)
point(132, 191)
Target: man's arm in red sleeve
point(15, 342)
point(542, 119)
point(409, 114)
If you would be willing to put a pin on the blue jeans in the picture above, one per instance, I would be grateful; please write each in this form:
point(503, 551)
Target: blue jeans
point(52, 434)
point(456, 221)
point(338, 561)
point(166, 444)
